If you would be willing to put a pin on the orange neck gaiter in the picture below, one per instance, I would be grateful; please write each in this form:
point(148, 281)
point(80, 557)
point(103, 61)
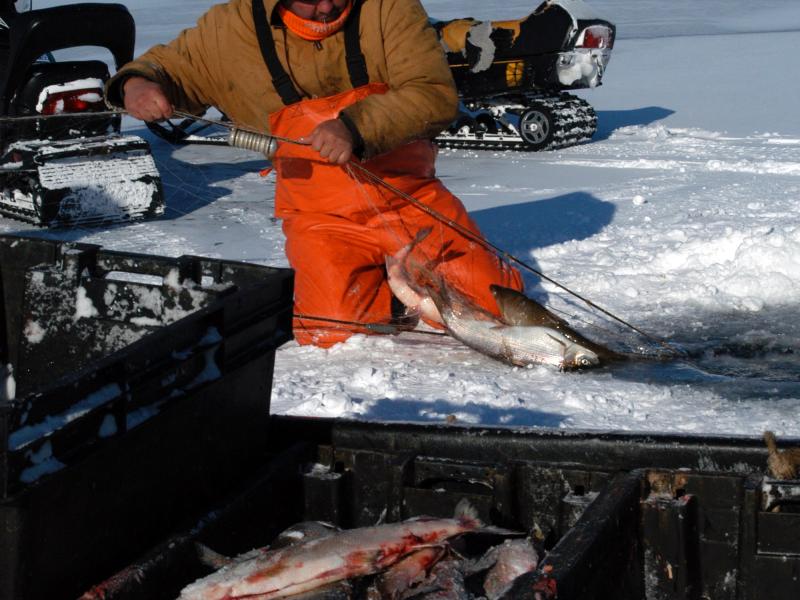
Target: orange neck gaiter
point(312, 30)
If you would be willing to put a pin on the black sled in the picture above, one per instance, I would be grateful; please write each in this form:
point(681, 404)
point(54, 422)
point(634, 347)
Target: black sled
point(63, 160)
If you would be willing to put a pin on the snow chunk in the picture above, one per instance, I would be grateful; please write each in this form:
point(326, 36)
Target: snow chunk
point(108, 427)
point(33, 332)
point(30, 433)
point(84, 308)
point(43, 463)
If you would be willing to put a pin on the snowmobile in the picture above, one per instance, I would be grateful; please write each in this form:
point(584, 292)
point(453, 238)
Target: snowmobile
point(63, 159)
point(512, 77)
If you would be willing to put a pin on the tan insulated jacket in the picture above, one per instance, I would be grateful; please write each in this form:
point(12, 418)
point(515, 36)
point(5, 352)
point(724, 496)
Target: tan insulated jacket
point(218, 63)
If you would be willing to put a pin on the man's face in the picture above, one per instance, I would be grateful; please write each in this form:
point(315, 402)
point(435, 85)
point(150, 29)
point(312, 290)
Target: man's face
point(316, 10)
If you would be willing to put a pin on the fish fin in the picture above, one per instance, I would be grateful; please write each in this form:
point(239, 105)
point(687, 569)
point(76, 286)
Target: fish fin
point(210, 558)
point(303, 532)
point(467, 514)
point(518, 309)
point(422, 234)
point(555, 339)
point(418, 238)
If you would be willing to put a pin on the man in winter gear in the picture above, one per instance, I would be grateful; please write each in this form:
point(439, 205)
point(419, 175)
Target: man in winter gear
point(361, 79)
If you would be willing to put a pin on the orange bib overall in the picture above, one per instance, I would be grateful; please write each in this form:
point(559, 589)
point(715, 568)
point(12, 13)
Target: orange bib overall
point(339, 229)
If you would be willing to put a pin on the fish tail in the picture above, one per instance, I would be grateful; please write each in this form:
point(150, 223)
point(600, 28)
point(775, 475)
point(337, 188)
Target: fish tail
point(210, 558)
point(467, 515)
point(415, 268)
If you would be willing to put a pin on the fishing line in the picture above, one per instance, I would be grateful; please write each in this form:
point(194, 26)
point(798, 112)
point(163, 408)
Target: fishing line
point(462, 230)
point(383, 328)
point(508, 256)
point(189, 188)
point(386, 225)
point(253, 140)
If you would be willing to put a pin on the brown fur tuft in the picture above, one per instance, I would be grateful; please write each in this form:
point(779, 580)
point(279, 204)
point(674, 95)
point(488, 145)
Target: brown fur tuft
point(782, 464)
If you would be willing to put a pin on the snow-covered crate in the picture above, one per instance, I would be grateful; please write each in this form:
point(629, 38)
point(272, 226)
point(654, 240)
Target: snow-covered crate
point(613, 515)
point(136, 390)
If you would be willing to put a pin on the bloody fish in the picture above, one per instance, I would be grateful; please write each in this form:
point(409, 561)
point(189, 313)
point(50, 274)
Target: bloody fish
point(401, 579)
point(309, 565)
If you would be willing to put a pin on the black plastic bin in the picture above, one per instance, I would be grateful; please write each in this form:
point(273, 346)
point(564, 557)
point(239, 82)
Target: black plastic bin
point(623, 516)
point(142, 395)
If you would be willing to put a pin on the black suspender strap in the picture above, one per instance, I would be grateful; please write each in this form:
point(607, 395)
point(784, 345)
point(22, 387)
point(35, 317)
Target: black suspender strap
point(356, 64)
point(280, 78)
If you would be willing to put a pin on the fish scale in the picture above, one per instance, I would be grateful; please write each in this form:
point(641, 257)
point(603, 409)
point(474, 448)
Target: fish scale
point(518, 345)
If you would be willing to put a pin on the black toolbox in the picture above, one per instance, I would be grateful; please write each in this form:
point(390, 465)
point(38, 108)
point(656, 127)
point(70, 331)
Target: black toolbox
point(622, 516)
point(142, 395)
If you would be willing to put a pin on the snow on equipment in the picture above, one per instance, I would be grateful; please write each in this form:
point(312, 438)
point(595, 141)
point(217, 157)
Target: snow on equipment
point(512, 76)
point(135, 390)
point(63, 160)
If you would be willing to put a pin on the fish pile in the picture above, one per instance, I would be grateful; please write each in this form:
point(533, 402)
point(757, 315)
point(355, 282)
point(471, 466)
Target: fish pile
point(525, 334)
point(397, 561)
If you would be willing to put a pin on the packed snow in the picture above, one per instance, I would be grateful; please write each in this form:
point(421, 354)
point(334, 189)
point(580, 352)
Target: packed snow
point(681, 217)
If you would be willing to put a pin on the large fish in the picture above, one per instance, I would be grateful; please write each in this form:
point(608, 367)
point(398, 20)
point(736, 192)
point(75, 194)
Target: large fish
point(520, 338)
point(517, 309)
point(519, 345)
point(266, 574)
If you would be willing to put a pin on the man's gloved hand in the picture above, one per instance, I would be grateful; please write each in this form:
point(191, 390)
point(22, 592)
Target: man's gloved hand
point(145, 99)
point(333, 140)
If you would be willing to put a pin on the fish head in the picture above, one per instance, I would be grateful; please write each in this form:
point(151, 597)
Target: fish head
point(578, 357)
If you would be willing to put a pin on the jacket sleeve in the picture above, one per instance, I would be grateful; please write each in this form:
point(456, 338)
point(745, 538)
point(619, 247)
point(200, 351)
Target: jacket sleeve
point(422, 98)
point(186, 67)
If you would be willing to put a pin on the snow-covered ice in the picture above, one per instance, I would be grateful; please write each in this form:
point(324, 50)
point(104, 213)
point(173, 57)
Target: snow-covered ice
point(681, 216)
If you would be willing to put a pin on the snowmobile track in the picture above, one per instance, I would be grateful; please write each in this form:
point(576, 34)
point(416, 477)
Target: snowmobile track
point(81, 182)
point(569, 120)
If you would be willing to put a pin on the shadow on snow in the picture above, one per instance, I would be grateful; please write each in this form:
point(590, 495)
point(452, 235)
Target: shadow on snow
point(521, 228)
point(397, 409)
point(610, 120)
